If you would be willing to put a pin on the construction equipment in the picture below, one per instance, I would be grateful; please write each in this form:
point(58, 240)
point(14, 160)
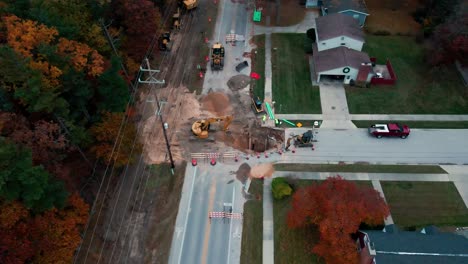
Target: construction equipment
point(217, 57)
point(176, 20)
point(305, 140)
point(188, 4)
point(200, 128)
point(165, 41)
point(257, 104)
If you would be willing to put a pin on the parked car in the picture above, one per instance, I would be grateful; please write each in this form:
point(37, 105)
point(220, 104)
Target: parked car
point(389, 130)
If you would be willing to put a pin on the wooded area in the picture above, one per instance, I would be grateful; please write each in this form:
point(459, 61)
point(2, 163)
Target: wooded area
point(63, 97)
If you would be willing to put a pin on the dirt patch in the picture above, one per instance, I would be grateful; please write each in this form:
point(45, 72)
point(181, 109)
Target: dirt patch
point(238, 82)
point(216, 103)
point(242, 174)
point(264, 170)
point(290, 13)
point(392, 16)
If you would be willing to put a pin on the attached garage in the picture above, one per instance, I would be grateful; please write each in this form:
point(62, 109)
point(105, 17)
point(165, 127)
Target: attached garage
point(339, 63)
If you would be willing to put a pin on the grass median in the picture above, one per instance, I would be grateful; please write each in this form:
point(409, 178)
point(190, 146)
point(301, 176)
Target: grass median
point(252, 229)
point(430, 169)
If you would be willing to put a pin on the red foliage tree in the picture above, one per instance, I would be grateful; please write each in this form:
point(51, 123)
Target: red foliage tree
point(450, 41)
point(337, 207)
point(140, 19)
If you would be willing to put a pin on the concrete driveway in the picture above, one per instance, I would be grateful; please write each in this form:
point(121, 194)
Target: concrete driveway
point(335, 110)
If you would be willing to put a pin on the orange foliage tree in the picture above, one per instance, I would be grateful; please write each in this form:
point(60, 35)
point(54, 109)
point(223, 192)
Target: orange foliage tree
point(25, 37)
point(82, 56)
point(337, 207)
point(107, 132)
point(50, 237)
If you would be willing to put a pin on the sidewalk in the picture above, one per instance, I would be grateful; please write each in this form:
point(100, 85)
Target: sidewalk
point(379, 117)
point(268, 234)
point(306, 24)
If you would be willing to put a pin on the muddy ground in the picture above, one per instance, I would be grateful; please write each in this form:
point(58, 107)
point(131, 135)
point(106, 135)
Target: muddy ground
point(146, 204)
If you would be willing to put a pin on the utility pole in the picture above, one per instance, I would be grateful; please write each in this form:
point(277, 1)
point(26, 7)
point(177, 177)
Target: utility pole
point(112, 44)
point(153, 81)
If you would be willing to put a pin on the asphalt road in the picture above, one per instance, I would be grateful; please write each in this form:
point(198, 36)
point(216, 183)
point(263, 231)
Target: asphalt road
point(423, 146)
point(197, 239)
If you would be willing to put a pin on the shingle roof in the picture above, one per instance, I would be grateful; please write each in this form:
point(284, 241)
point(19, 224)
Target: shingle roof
point(338, 58)
point(389, 247)
point(335, 6)
point(335, 25)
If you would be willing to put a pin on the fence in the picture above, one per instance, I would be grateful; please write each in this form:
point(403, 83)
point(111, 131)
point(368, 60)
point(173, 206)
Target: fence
point(384, 81)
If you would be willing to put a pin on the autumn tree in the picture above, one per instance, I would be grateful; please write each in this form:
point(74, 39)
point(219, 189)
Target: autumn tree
point(450, 41)
point(337, 207)
point(107, 133)
point(82, 57)
point(58, 231)
point(21, 180)
point(140, 20)
point(48, 237)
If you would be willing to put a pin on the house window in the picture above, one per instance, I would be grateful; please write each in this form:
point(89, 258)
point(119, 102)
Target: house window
point(348, 77)
point(323, 43)
point(342, 38)
point(342, 44)
point(356, 16)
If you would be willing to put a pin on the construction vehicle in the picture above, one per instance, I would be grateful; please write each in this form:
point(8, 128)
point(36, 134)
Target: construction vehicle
point(200, 128)
point(257, 104)
point(217, 57)
point(188, 4)
point(176, 20)
point(165, 41)
point(305, 140)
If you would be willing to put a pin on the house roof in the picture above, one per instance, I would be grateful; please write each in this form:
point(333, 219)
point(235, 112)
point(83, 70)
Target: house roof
point(335, 25)
point(335, 6)
point(339, 57)
point(418, 248)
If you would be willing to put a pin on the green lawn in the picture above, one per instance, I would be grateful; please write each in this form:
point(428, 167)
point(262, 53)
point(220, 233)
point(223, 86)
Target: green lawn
point(359, 168)
point(416, 124)
point(258, 66)
point(252, 230)
point(417, 204)
point(291, 85)
point(293, 245)
point(419, 90)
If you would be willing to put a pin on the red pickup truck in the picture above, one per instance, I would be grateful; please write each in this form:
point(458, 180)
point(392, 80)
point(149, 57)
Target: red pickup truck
point(389, 130)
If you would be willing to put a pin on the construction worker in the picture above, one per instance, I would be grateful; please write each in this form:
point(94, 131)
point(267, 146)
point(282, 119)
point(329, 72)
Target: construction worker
point(264, 118)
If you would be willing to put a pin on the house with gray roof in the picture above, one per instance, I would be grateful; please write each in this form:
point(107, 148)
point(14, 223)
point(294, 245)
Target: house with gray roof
point(428, 246)
point(341, 62)
point(356, 9)
point(338, 30)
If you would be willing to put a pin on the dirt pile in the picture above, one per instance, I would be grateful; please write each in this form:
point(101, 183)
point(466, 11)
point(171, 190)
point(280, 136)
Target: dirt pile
point(217, 104)
point(264, 170)
point(238, 82)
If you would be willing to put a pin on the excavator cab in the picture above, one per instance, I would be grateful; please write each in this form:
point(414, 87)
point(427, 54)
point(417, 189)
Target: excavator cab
point(164, 41)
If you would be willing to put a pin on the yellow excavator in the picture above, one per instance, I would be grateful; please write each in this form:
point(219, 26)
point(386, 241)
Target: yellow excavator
point(201, 127)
